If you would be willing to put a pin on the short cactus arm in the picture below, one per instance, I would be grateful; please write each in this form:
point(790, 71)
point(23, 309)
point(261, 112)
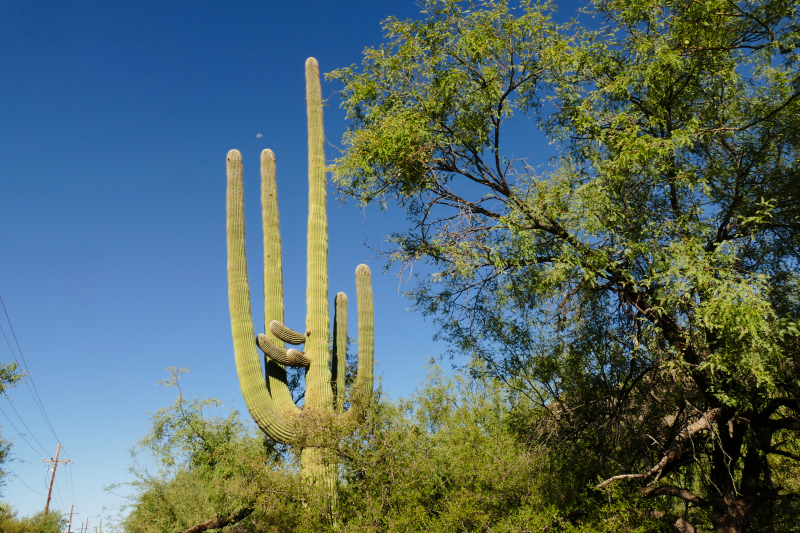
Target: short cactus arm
point(280, 355)
point(273, 280)
point(274, 422)
point(339, 362)
point(362, 390)
point(285, 334)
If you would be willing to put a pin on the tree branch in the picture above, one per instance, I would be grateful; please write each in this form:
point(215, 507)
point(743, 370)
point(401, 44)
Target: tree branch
point(776, 403)
point(675, 448)
point(669, 490)
point(789, 422)
point(219, 522)
point(774, 450)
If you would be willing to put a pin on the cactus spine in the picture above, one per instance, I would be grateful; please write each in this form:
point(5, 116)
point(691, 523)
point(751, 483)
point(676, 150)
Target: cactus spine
point(269, 401)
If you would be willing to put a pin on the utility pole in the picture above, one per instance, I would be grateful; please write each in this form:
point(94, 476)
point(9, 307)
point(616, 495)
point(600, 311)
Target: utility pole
point(71, 509)
point(55, 465)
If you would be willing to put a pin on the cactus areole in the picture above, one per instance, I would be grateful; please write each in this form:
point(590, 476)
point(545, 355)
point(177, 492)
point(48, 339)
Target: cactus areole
point(268, 399)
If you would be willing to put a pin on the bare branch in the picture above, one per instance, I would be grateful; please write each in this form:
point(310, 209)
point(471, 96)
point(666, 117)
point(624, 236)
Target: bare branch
point(675, 448)
point(669, 490)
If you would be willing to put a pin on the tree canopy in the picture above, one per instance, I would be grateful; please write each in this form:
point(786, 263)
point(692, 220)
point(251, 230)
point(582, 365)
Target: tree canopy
point(642, 286)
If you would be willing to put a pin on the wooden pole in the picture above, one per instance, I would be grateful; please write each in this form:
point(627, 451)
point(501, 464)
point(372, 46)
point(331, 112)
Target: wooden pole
point(53, 477)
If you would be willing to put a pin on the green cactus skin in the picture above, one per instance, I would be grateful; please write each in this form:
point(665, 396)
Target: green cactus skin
point(262, 399)
point(283, 357)
point(269, 401)
point(286, 334)
point(339, 363)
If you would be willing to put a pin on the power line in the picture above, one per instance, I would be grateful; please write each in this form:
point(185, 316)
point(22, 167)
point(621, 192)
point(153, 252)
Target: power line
point(30, 376)
point(31, 385)
point(19, 432)
point(20, 480)
point(24, 424)
point(58, 493)
point(71, 485)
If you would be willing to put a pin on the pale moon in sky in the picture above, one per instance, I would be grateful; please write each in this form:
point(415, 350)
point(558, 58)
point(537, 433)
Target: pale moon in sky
point(259, 136)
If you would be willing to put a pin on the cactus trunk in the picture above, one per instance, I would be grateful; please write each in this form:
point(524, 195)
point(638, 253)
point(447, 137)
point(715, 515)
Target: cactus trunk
point(268, 399)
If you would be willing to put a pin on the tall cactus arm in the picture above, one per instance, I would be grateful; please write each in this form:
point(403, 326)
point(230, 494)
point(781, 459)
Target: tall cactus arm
point(366, 333)
point(362, 389)
point(277, 424)
point(339, 362)
point(318, 390)
point(273, 280)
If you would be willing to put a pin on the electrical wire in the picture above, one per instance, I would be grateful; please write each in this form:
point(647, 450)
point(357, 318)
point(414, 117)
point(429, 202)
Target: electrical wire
point(30, 433)
point(19, 432)
point(37, 399)
point(30, 377)
point(20, 366)
point(71, 485)
point(58, 494)
point(14, 474)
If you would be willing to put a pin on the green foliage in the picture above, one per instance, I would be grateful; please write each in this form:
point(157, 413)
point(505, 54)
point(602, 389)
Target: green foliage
point(205, 464)
point(9, 377)
point(456, 456)
point(184, 434)
point(643, 288)
point(38, 523)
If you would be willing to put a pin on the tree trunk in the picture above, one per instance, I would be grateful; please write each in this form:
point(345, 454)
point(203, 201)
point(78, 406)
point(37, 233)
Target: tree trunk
point(731, 507)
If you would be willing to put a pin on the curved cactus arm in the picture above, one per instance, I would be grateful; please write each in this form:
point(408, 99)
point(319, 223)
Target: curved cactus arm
point(339, 362)
point(275, 422)
point(280, 355)
point(317, 347)
point(285, 334)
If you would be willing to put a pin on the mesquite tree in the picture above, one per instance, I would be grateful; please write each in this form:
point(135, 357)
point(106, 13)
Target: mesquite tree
point(643, 285)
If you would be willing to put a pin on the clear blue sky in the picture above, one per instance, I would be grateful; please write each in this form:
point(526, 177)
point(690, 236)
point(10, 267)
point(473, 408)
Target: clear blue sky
point(115, 118)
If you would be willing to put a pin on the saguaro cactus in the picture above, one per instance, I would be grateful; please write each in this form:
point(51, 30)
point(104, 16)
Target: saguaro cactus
point(268, 400)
